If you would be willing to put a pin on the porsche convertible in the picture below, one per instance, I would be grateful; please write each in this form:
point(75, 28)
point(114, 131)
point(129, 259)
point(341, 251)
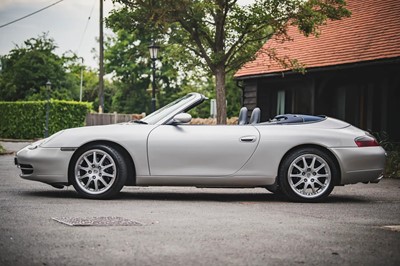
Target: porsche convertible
point(302, 157)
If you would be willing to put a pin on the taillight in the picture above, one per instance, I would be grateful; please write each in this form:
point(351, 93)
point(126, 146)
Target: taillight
point(366, 141)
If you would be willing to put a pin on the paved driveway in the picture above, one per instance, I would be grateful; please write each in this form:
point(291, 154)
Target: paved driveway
point(189, 226)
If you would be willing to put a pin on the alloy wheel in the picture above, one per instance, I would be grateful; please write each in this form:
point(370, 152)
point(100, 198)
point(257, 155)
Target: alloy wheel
point(95, 171)
point(309, 176)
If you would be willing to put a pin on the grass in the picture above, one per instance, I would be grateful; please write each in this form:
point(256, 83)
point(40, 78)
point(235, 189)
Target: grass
point(2, 150)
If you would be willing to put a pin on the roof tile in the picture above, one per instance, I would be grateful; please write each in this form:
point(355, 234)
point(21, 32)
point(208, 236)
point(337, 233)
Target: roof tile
point(372, 32)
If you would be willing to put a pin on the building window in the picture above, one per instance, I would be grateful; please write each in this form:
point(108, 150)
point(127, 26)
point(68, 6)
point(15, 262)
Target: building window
point(280, 106)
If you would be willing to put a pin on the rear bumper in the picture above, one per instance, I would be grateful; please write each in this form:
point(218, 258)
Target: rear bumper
point(365, 164)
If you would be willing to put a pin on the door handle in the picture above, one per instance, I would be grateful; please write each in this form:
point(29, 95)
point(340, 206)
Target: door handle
point(248, 139)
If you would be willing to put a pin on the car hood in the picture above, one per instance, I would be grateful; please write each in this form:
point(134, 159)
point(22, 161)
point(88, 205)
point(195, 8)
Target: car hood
point(76, 137)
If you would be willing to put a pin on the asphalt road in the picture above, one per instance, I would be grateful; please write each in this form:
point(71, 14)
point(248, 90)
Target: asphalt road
point(189, 226)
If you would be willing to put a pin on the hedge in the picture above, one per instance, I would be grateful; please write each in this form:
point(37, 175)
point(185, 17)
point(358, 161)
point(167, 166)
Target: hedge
point(26, 120)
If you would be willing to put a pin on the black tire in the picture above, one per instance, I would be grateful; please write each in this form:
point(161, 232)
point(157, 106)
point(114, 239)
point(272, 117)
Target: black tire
point(98, 171)
point(275, 188)
point(307, 175)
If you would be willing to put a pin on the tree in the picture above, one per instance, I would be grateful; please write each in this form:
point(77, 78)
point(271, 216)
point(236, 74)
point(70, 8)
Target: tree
point(127, 58)
point(124, 59)
point(222, 35)
point(27, 68)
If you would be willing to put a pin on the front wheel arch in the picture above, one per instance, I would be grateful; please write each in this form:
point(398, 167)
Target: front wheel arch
point(131, 180)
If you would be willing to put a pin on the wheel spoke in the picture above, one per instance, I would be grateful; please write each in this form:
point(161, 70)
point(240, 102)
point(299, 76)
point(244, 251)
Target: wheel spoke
point(88, 183)
point(305, 162)
point(319, 168)
point(102, 160)
point(83, 176)
point(107, 174)
point(299, 168)
point(313, 163)
point(298, 183)
point(319, 183)
point(107, 166)
point(103, 182)
point(83, 168)
point(95, 157)
point(96, 185)
point(87, 161)
point(321, 175)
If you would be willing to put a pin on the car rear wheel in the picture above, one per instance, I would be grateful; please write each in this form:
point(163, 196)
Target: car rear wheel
point(98, 172)
point(307, 175)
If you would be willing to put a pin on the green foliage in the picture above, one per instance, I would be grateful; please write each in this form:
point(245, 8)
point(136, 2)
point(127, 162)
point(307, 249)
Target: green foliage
point(393, 163)
point(26, 120)
point(2, 150)
point(127, 58)
point(27, 68)
point(392, 168)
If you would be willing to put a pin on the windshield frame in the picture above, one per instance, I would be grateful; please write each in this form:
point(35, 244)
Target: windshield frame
point(167, 113)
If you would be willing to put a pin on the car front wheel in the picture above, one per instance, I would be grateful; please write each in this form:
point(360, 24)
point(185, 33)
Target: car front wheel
point(98, 172)
point(307, 175)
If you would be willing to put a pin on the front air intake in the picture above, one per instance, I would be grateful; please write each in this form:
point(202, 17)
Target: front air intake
point(26, 169)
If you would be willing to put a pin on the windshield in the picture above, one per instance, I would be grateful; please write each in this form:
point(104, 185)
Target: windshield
point(169, 109)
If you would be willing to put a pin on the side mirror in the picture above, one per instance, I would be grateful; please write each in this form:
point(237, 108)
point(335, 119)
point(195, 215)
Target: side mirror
point(182, 118)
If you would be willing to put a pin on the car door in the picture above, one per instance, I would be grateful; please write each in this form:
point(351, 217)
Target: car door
point(200, 150)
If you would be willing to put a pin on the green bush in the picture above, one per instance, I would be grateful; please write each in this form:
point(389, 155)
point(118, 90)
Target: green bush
point(26, 120)
point(2, 150)
point(392, 168)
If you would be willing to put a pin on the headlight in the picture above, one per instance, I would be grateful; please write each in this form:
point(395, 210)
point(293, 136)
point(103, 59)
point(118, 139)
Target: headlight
point(36, 144)
point(43, 141)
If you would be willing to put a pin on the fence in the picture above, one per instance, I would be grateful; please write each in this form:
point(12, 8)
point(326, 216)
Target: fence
point(112, 118)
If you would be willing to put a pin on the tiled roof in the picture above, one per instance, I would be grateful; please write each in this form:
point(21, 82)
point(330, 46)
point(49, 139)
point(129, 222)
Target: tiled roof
point(372, 32)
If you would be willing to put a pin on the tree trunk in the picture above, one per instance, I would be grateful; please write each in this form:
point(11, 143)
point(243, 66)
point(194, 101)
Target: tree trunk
point(221, 96)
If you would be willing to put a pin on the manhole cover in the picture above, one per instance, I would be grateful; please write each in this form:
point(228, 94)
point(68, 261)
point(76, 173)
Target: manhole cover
point(96, 221)
point(395, 228)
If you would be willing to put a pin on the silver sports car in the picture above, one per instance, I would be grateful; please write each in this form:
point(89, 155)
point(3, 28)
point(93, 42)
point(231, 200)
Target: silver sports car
point(303, 157)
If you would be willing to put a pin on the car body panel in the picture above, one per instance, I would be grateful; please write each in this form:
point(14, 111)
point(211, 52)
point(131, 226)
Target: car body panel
point(50, 165)
point(360, 164)
point(182, 150)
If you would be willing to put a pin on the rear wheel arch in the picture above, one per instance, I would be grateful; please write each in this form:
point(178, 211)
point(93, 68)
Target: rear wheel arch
point(337, 179)
point(131, 180)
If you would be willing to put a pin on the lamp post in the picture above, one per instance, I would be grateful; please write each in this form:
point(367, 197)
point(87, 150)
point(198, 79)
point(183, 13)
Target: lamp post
point(80, 91)
point(48, 88)
point(153, 48)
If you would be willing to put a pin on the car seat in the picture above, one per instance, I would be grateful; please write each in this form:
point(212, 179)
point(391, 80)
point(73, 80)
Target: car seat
point(242, 116)
point(255, 116)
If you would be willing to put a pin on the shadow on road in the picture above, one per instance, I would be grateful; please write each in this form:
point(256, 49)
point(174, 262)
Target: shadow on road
point(193, 196)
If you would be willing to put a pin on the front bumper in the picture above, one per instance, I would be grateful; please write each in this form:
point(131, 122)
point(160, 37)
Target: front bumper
point(47, 165)
point(361, 164)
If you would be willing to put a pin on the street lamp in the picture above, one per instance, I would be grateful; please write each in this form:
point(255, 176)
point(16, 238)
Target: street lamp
point(80, 91)
point(48, 88)
point(153, 48)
